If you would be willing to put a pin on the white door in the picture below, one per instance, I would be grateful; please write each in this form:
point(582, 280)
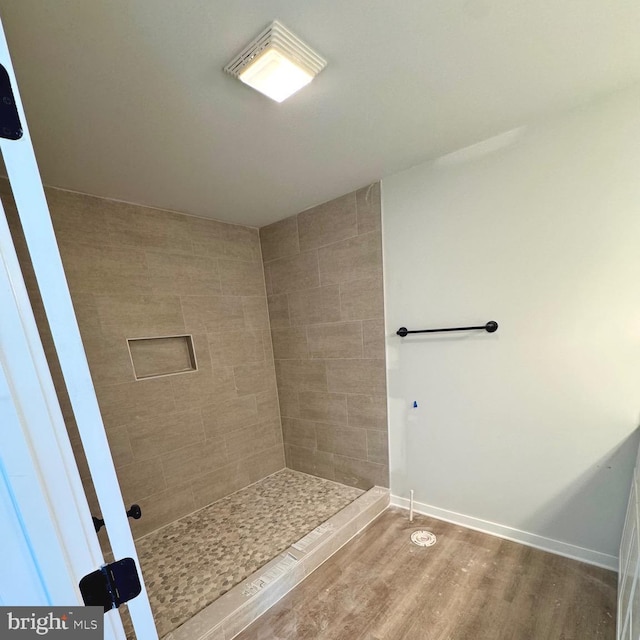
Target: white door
point(51, 543)
point(45, 549)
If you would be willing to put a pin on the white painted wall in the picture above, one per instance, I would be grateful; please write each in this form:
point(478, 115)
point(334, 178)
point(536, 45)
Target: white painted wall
point(539, 229)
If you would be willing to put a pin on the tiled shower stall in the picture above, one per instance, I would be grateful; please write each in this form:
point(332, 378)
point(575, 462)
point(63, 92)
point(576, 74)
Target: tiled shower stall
point(231, 365)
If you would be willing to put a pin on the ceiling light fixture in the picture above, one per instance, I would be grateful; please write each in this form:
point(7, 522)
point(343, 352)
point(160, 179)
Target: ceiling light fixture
point(276, 63)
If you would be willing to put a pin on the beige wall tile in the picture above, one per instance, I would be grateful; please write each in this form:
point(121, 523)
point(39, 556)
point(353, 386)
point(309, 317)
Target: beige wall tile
point(300, 433)
point(143, 316)
point(230, 348)
point(137, 481)
point(164, 434)
point(208, 237)
point(328, 223)
point(263, 464)
point(120, 446)
point(280, 239)
point(245, 442)
point(256, 313)
point(368, 207)
point(183, 274)
point(277, 431)
point(240, 278)
point(59, 386)
point(210, 314)
point(242, 243)
point(6, 193)
point(108, 358)
point(360, 473)
point(145, 228)
point(323, 407)
point(314, 462)
point(314, 306)
point(268, 346)
point(301, 375)
point(221, 418)
point(279, 311)
point(106, 269)
point(218, 483)
point(290, 343)
point(346, 235)
point(374, 339)
point(81, 459)
point(288, 401)
point(203, 387)
point(367, 411)
point(187, 463)
point(345, 441)
point(362, 299)
point(122, 404)
point(94, 508)
point(254, 378)
point(267, 403)
point(202, 353)
point(15, 227)
point(84, 306)
point(292, 274)
point(268, 284)
point(353, 259)
point(63, 399)
point(339, 340)
point(356, 376)
point(206, 385)
point(77, 218)
point(377, 447)
point(162, 508)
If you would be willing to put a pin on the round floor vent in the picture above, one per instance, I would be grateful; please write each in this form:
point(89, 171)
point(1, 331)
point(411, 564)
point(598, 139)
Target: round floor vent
point(423, 538)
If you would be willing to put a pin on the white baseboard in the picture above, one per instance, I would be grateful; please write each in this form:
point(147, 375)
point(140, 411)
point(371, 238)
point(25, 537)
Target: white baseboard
point(509, 533)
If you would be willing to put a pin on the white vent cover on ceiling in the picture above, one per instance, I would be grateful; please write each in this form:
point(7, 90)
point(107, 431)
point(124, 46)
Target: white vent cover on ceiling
point(279, 37)
point(276, 63)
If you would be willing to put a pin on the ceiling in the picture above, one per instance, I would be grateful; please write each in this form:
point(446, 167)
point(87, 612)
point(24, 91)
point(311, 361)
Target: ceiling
point(127, 99)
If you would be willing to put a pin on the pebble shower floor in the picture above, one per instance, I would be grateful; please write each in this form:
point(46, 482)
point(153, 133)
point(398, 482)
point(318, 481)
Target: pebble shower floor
point(191, 562)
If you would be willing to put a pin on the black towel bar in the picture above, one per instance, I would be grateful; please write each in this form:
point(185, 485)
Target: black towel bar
point(490, 327)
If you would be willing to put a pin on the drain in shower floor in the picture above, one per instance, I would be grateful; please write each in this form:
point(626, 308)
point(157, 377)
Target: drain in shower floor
point(423, 538)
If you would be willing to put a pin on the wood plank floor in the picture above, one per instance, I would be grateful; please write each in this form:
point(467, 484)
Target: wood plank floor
point(469, 586)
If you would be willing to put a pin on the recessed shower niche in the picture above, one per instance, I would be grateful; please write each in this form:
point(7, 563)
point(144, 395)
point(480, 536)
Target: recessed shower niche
point(162, 356)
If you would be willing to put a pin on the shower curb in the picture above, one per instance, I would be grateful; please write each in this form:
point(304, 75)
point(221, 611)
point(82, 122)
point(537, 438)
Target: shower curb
point(232, 612)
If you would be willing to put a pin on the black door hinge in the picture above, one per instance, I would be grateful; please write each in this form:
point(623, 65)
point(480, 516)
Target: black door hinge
point(111, 585)
point(10, 126)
